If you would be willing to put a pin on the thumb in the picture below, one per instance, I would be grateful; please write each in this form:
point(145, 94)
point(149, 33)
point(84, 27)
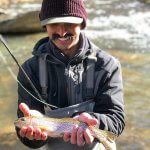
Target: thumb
point(87, 118)
point(25, 109)
point(92, 121)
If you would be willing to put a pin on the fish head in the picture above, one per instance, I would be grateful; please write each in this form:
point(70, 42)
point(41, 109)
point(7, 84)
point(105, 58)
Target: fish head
point(22, 122)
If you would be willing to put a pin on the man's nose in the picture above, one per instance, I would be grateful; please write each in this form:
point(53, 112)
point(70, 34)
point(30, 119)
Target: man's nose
point(61, 30)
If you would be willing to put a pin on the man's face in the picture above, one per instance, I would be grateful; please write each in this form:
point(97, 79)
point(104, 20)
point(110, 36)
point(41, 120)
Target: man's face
point(64, 35)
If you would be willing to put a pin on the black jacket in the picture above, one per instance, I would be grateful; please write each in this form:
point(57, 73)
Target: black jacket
point(66, 84)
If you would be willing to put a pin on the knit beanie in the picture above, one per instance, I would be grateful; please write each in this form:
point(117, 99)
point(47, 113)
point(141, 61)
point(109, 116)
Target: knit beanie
point(63, 11)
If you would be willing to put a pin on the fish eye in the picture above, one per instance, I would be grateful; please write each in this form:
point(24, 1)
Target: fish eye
point(22, 119)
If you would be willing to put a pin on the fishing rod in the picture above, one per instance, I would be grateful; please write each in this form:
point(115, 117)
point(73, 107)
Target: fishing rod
point(27, 77)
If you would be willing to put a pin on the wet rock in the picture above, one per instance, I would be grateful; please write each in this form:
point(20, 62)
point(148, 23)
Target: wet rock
point(24, 23)
point(20, 18)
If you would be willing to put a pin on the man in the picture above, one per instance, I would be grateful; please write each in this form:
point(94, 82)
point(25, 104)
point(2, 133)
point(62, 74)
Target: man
point(77, 73)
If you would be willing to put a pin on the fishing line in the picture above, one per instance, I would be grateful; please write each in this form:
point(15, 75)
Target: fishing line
point(14, 76)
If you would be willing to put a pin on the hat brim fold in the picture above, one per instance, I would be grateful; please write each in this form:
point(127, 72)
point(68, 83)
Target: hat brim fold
point(66, 19)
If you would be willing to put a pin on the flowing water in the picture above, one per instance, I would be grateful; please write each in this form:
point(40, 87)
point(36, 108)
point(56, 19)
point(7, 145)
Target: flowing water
point(121, 27)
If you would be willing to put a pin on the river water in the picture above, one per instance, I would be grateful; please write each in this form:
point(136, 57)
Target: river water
point(121, 27)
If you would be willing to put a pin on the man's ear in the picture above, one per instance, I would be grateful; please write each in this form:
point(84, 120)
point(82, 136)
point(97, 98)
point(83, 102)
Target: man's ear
point(82, 26)
point(44, 28)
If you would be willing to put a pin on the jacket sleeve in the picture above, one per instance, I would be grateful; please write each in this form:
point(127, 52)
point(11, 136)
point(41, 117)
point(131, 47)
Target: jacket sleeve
point(109, 104)
point(24, 97)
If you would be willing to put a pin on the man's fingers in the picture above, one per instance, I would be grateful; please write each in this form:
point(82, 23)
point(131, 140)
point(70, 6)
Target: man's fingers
point(87, 118)
point(66, 136)
point(80, 139)
point(33, 133)
point(88, 137)
point(92, 121)
point(29, 133)
point(43, 136)
point(23, 131)
point(37, 134)
point(73, 139)
point(25, 109)
point(76, 117)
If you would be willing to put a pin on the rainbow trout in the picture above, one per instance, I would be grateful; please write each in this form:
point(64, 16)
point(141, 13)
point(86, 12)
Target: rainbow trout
point(57, 127)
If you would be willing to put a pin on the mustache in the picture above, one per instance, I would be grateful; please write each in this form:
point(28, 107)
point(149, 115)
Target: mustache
point(67, 35)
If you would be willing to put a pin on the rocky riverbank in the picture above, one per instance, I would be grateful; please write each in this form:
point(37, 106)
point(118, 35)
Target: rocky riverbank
point(20, 16)
point(6, 3)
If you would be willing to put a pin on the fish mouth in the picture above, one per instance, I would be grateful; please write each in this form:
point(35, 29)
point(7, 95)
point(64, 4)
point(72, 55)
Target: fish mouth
point(16, 123)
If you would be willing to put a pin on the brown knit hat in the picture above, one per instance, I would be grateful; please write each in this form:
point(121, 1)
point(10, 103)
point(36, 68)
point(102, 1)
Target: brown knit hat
point(66, 11)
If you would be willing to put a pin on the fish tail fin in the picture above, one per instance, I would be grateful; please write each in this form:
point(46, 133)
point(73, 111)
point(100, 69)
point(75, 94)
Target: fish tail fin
point(105, 137)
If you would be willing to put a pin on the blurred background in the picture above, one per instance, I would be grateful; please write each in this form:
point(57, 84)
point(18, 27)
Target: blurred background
point(120, 27)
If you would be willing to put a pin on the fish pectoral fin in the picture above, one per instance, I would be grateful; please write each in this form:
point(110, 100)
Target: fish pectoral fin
point(43, 128)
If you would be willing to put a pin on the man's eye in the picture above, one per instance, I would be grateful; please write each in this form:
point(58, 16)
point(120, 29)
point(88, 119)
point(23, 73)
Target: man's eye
point(54, 24)
point(22, 119)
point(69, 24)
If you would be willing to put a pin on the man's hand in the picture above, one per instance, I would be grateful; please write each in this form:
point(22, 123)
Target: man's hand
point(79, 135)
point(31, 132)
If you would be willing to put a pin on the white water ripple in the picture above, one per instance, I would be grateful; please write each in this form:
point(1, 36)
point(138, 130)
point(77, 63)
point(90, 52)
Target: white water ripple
point(134, 28)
